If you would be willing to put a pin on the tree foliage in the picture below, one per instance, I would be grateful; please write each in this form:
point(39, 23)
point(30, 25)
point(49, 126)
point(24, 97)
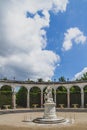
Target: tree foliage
point(61, 89)
point(6, 90)
point(62, 79)
point(5, 95)
point(75, 89)
point(84, 77)
point(35, 96)
point(22, 97)
point(40, 80)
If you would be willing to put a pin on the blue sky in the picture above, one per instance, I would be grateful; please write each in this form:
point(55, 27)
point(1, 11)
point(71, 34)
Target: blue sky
point(43, 39)
point(74, 60)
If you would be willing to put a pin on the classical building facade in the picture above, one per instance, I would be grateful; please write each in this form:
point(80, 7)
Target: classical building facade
point(42, 86)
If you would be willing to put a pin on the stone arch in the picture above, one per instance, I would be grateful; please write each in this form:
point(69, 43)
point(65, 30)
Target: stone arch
point(61, 96)
point(75, 96)
point(85, 96)
point(35, 97)
point(21, 97)
point(5, 96)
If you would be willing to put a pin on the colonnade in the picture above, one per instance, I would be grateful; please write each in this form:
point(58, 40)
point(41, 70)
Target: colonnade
point(68, 98)
point(42, 86)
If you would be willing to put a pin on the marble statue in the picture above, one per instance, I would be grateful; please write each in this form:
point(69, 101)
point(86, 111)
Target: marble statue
point(48, 94)
point(49, 116)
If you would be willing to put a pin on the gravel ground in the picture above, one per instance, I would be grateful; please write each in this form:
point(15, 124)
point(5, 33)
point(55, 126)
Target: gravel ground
point(23, 121)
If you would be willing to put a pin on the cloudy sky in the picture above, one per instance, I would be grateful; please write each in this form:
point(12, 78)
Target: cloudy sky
point(43, 39)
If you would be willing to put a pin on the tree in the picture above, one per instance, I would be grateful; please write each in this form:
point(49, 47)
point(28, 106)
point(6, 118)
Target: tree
point(61, 89)
point(84, 77)
point(22, 97)
point(74, 89)
point(5, 95)
point(62, 79)
point(6, 88)
point(40, 80)
point(35, 96)
point(5, 78)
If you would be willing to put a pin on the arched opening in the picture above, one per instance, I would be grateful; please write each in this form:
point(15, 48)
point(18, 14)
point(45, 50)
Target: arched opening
point(75, 96)
point(44, 93)
point(85, 96)
point(35, 97)
point(61, 96)
point(5, 96)
point(21, 97)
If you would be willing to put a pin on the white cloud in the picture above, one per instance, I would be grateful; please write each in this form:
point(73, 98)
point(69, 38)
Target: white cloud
point(34, 5)
point(36, 65)
point(80, 74)
point(23, 39)
point(73, 35)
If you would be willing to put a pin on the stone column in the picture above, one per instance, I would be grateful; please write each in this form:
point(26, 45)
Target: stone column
point(41, 98)
point(13, 99)
point(82, 98)
point(68, 98)
point(28, 99)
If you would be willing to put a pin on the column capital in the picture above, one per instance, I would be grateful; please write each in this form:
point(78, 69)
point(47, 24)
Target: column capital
point(28, 90)
point(41, 89)
point(68, 90)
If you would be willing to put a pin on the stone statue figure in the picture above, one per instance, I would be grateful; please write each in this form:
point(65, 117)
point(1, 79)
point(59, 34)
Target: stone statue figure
point(48, 95)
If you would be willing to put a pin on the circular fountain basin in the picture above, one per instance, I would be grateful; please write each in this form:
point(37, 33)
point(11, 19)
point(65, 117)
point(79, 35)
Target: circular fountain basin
point(50, 116)
point(49, 121)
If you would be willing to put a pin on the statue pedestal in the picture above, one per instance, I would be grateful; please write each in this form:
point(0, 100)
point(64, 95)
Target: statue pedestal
point(49, 115)
point(50, 111)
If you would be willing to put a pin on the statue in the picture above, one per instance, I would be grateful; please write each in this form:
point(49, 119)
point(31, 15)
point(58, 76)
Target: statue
point(48, 95)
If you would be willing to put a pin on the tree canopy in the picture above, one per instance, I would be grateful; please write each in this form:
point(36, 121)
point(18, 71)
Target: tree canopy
point(62, 79)
point(5, 95)
point(22, 97)
point(84, 77)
